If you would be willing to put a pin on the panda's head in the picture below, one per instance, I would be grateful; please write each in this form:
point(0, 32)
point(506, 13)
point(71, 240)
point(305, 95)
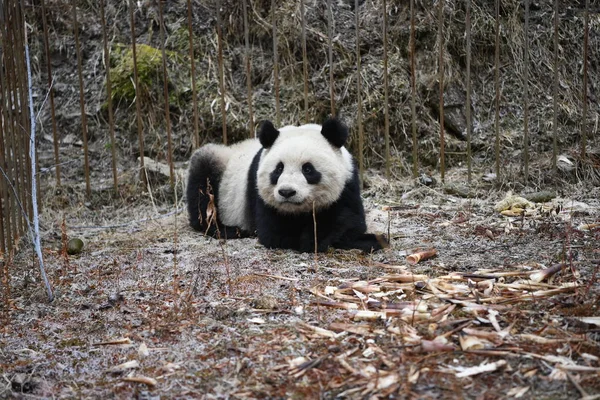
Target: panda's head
point(303, 165)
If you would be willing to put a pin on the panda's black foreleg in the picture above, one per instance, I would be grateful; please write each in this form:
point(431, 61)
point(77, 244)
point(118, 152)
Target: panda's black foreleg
point(367, 242)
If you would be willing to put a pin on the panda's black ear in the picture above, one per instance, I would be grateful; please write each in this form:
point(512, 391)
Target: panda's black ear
point(267, 134)
point(335, 132)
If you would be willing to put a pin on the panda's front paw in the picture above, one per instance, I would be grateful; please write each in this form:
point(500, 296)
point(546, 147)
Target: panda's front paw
point(382, 240)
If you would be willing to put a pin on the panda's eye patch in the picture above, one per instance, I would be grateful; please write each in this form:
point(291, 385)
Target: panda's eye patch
point(276, 173)
point(311, 174)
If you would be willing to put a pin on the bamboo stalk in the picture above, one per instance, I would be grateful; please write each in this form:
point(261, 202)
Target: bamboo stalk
point(526, 96)
point(555, 93)
point(88, 187)
point(196, 139)
point(304, 60)
point(441, 82)
point(330, 51)
point(586, 35)
point(386, 106)
point(21, 145)
point(275, 66)
point(248, 70)
point(138, 105)
point(51, 92)
point(221, 72)
point(361, 136)
point(111, 119)
point(497, 89)
point(166, 95)
point(413, 92)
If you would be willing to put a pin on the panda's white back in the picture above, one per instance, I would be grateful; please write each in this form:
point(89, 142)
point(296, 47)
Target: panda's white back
point(234, 182)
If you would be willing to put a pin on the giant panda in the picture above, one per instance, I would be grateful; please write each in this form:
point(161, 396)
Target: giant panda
point(271, 185)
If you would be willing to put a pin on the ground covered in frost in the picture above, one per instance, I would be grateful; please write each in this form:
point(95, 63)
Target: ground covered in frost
point(508, 306)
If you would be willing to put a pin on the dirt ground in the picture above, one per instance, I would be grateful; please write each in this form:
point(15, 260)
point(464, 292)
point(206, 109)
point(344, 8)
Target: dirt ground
point(151, 309)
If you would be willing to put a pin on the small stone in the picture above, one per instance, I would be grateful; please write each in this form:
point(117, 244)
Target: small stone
point(265, 302)
point(74, 246)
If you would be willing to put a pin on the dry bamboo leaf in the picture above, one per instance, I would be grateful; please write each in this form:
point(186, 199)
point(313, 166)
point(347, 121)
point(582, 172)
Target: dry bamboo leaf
point(421, 256)
point(365, 287)
point(256, 320)
point(546, 273)
point(436, 345)
point(591, 320)
point(125, 366)
point(413, 375)
point(492, 318)
point(543, 340)
point(321, 331)
point(468, 342)
point(588, 227)
point(590, 357)
point(479, 369)
point(329, 290)
point(491, 336)
point(297, 362)
point(382, 381)
point(359, 295)
point(141, 379)
point(143, 351)
point(170, 367)
point(518, 392)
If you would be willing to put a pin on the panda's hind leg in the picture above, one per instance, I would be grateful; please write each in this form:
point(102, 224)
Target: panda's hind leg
point(204, 176)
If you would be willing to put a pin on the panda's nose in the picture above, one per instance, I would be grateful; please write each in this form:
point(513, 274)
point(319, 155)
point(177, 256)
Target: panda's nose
point(287, 193)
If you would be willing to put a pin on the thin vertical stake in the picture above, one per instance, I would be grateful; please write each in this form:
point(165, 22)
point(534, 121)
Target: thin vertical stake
point(441, 81)
point(526, 96)
point(468, 100)
point(330, 46)
point(497, 89)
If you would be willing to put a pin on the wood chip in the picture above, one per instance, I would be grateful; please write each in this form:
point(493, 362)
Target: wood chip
point(421, 256)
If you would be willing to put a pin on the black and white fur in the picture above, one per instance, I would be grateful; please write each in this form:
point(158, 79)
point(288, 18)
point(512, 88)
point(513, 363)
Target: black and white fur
point(270, 186)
